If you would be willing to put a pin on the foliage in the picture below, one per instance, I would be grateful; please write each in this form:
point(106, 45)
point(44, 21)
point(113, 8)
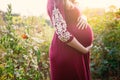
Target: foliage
point(105, 55)
point(21, 57)
point(24, 46)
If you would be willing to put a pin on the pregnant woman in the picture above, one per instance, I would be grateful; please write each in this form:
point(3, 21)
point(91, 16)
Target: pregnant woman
point(71, 44)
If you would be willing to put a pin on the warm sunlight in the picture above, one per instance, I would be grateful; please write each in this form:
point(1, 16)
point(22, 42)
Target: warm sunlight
point(38, 7)
point(25, 7)
point(98, 3)
point(67, 43)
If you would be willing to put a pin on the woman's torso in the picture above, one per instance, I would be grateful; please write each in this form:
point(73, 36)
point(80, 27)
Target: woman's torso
point(85, 36)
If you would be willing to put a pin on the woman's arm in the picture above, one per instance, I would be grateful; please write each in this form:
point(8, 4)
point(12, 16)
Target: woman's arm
point(78, 46)
point(61, 30)
point(75, 43)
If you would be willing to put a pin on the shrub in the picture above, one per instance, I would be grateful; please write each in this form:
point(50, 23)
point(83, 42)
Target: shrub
point(105, 54)
point(21, 57)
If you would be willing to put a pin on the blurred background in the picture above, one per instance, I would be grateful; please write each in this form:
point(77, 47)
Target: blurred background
point(26, 33)
point(38, 7)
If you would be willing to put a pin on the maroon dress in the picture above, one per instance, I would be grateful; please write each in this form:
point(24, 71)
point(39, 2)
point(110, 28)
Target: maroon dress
point(66, 63)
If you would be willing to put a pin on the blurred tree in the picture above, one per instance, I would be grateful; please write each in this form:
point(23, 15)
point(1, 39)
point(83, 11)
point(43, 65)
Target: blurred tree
point(2, 23)
point(112, 8)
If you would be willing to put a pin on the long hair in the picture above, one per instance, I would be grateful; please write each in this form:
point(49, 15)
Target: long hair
point(73, 1)
point(69, 3)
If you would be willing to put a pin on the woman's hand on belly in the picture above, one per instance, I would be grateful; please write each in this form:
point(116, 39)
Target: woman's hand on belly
point(89, 47)
point(82, 22)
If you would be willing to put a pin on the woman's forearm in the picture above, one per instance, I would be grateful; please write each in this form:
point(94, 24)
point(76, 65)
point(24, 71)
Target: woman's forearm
point(78, 46)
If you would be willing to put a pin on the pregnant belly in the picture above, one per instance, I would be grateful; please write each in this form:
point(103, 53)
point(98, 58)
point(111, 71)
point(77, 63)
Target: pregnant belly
point(85, 37)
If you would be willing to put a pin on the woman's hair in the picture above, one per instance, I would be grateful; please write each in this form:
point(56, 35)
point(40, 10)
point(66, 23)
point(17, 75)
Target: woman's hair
point(69, 3)
point(73, 1)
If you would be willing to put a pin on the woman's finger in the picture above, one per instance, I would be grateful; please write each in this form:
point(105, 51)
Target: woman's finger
point(86, 26)
point(79, 21)
point(81, 26)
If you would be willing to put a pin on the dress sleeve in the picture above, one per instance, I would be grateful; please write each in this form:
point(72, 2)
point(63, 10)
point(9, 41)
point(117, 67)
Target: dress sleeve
point(59, 23)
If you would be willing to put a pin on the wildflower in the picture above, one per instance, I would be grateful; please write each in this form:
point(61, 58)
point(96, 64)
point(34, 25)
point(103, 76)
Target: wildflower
point(24, 36)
